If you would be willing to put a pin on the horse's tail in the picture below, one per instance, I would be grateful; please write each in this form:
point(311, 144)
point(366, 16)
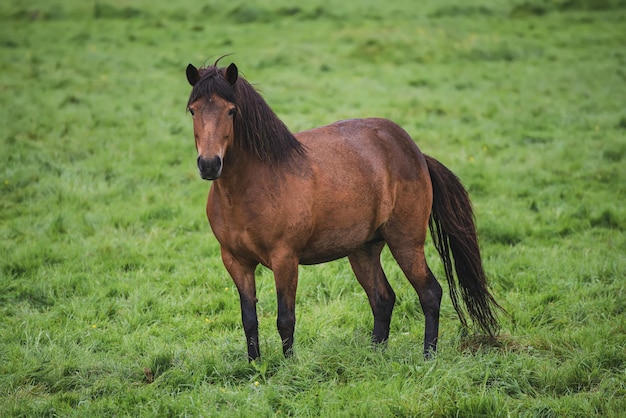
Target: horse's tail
point(452, 229)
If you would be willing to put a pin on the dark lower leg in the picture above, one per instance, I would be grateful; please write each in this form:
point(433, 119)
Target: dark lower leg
point(286, 323)
point(366, 265)
point(250, 327)
point(410, 257)
point(286, 278)
point(243, 277)
point(382, 309)
point(430, 299)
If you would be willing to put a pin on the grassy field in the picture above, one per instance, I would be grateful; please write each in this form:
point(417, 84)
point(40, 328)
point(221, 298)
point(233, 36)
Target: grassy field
point(113, 298)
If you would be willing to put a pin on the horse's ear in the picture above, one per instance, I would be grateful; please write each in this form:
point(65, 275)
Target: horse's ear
point(193, 75)
point(231, 74)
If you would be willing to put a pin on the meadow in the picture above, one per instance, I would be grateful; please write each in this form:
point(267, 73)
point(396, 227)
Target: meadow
point(113, 297)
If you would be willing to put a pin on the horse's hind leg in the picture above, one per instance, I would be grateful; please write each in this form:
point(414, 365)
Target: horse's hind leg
point(410, 257)
point(366, 265)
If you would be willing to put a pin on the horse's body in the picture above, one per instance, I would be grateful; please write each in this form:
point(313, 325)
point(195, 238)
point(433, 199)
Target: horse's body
point(319, 211)
point(346, 189)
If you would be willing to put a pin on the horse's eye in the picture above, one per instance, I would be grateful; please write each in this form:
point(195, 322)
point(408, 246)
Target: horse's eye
point(231, 112)
point(191, 111)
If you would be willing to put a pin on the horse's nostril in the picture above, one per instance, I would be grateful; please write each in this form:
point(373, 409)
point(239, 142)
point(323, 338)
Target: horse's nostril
point(210, 169)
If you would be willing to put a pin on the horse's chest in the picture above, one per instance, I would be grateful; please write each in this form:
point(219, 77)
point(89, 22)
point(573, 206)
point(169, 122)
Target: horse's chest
point(252, 229)
point(233, 235)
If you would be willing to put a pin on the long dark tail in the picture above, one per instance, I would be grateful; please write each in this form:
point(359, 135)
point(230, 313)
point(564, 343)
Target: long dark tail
point(452, 229)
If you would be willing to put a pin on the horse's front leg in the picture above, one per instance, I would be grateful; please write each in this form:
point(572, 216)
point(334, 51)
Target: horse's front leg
point(285, 268)
point(243, 276)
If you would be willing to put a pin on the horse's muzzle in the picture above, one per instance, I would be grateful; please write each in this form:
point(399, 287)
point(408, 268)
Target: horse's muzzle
point(210, 169)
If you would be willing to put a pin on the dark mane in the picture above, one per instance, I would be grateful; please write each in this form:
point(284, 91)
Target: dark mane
point(258, 131)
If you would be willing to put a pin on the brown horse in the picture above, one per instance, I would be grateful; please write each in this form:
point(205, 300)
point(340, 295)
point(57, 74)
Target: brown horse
point(346, 189)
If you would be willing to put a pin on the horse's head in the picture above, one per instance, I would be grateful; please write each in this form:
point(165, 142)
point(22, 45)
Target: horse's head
point(212, 106)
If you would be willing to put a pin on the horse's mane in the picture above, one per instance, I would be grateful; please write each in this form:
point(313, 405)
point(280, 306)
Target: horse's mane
point(258, 131)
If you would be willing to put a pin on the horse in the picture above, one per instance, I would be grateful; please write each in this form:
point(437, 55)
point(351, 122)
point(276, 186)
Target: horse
point(344, 190)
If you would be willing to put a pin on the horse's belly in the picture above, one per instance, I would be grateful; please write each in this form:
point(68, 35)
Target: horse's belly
point(329, 245)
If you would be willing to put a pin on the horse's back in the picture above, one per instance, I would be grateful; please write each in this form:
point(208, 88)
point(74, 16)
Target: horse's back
point(372, 139)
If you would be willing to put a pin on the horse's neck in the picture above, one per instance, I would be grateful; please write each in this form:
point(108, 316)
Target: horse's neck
point(244, 172)
point(241, 170)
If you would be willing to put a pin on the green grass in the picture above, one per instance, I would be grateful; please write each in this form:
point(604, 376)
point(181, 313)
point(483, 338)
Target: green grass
point(113, 298)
